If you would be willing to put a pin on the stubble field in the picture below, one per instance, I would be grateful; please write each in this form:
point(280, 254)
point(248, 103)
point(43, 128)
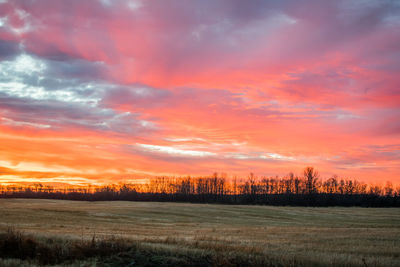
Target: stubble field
point(221, 234)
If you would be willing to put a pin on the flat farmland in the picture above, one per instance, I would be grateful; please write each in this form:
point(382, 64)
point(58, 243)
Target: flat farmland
point(282, 235)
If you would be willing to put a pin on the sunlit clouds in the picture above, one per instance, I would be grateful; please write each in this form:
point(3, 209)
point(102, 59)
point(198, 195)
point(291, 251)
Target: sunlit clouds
point(108, 91)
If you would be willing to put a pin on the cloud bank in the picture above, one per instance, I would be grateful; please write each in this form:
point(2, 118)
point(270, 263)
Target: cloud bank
point(113, 90)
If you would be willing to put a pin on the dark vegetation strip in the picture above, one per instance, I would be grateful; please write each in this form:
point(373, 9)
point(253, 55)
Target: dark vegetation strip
point(308, 190)
point(314, 200)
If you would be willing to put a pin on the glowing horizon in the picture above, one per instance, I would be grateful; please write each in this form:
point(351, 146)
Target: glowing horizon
point(105, 91)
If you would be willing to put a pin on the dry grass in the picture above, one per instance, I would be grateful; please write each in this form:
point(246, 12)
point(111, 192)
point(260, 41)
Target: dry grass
point(279, 235)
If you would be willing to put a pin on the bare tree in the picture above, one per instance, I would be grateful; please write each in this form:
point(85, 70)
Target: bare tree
point(311, 176)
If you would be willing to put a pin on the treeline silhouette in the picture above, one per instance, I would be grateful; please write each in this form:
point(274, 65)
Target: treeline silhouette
point(307, 190)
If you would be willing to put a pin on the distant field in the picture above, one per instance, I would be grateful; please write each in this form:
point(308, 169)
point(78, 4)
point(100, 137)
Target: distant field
point(284, 235)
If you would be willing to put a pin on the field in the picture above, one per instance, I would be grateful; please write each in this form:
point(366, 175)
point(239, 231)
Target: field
point(224, 234)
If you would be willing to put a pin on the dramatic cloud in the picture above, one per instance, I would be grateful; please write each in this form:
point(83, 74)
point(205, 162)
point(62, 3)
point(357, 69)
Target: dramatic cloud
point(100, 91)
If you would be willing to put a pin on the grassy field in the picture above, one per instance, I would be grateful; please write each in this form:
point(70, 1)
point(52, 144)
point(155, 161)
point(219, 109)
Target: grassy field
point(268, 235)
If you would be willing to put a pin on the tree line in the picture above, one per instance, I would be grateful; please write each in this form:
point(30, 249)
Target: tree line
point(306, 190)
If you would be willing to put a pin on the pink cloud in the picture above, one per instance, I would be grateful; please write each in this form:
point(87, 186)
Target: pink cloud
point(263, 86)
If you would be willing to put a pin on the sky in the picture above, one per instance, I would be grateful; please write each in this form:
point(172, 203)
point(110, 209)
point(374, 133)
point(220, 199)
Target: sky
point(117, 91)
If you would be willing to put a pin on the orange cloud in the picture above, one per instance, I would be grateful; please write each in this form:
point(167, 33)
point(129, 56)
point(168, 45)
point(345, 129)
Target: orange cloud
point(94, 92)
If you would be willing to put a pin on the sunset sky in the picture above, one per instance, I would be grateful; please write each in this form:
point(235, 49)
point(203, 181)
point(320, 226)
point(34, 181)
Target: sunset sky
point(112, 91)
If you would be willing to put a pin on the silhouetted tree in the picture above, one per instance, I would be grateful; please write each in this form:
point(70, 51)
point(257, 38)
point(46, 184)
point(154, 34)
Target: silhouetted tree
point(288, 190)
point(311, 177)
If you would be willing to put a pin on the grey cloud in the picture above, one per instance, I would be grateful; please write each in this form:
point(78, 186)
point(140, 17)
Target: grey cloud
point(60, 115)
point(8, 49)
point(135, 95)
point(35, 90)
